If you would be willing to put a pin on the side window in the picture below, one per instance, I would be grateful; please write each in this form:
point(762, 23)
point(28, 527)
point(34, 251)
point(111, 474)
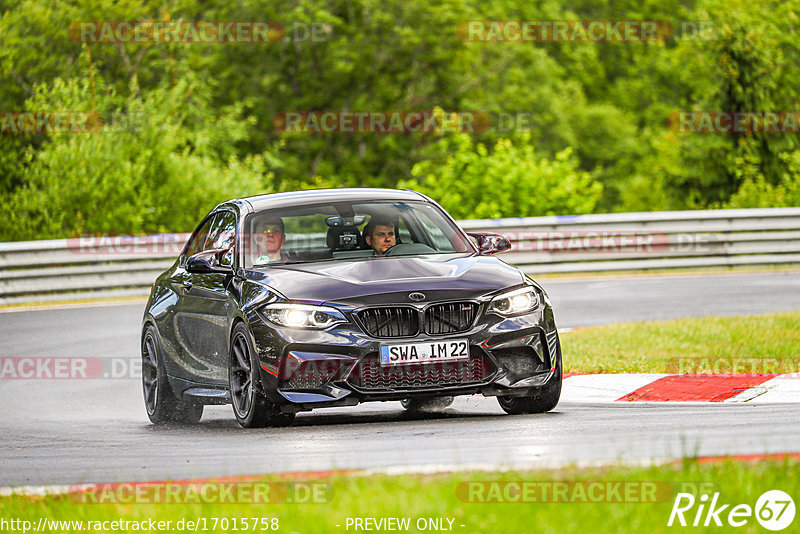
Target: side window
point(196, 244)
point(222, 235)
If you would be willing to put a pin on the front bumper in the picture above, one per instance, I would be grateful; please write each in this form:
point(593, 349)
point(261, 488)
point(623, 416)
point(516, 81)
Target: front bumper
point(306, 369)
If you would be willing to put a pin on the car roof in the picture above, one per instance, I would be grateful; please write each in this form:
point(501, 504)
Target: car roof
point(313, 196)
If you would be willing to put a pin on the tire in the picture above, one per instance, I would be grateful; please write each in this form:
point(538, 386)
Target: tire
point(250, 405)
point(160, 402)
point(427, 405)
point(545, 398)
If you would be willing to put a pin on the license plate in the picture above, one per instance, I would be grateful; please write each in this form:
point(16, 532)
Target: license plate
point(430, 351)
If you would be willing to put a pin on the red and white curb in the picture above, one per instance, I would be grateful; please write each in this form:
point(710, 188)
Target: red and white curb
point(752, 388)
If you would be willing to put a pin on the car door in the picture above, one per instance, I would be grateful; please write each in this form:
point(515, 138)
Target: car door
point(205, 308)
point(172, 321)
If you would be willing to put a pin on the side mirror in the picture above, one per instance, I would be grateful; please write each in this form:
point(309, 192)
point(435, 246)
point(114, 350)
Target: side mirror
point(208, 262)
point(489, 243)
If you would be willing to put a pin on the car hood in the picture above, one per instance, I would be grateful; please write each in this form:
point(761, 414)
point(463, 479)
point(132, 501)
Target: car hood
point(343, 280)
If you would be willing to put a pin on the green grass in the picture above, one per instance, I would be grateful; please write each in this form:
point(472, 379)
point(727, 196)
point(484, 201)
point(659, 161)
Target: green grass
point(446, 496)
point(753, 344)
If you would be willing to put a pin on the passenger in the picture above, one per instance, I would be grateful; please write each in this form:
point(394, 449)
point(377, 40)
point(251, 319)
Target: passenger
point(269, 238)
point(379, 234)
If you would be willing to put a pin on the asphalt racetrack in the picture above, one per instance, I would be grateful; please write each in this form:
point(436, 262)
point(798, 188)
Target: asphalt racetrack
point(70, 431)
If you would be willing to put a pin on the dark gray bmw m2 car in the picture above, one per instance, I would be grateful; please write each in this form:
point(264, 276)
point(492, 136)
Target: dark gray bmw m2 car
point(293, 301)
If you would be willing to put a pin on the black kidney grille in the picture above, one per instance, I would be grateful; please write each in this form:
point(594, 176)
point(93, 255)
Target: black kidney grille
point(401, 321)
point(450, 318)
point(370, 375)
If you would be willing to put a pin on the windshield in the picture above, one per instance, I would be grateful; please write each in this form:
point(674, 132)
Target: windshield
point(334, 231)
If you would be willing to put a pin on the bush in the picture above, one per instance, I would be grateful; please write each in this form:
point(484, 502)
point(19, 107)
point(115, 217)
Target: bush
point(163, 162)
point(756, 192)
point(511, 181)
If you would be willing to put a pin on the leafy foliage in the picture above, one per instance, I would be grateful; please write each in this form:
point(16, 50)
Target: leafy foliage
point(161, 165)
point(598, 138)
point(756, 192)
point(511, 180)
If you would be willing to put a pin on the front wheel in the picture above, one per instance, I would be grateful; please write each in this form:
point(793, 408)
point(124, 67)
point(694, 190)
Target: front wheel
point(250, 406)
point(545, 398)
point(160, 402)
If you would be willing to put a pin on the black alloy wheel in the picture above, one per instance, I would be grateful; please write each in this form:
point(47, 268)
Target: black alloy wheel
point(545, 398)
point(160, 402)
point(250, 405)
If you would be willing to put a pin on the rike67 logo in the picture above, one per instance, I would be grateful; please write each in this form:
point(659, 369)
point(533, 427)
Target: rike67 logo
point(774, 510)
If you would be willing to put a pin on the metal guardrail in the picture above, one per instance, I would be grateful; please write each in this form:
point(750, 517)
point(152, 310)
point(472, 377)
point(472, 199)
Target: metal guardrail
point(649, 240)
point(63, 269)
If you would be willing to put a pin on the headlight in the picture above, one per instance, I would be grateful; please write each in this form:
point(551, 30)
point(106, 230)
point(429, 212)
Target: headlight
point(303, 315)
point(515, 302)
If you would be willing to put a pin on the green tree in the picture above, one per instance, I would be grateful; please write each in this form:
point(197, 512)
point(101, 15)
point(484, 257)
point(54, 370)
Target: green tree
point(162, 162)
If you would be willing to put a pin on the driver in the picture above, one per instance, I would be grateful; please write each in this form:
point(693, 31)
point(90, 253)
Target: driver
point(269, 238)
point(379, 234)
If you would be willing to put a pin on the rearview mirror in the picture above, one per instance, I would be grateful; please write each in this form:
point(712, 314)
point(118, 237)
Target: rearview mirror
point(339, 222)
point(489, 243)
point(208, 261)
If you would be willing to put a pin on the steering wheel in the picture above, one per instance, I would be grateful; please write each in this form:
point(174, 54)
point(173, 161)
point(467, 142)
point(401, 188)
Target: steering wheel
point(388, 251)
point(408, 249)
